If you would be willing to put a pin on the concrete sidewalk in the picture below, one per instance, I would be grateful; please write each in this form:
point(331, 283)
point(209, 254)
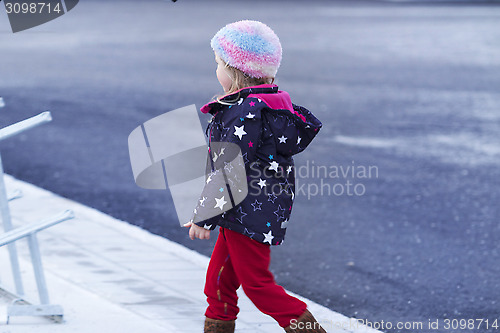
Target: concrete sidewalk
point(111, 276)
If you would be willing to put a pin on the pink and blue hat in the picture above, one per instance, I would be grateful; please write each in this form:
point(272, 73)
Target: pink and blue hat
point(250, 46)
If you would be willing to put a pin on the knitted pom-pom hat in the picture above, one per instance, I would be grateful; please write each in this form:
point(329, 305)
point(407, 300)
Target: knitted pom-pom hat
point(250, 46)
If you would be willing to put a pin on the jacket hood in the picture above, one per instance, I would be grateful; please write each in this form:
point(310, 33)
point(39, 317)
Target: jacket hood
point(306, 128)
point(292, 126)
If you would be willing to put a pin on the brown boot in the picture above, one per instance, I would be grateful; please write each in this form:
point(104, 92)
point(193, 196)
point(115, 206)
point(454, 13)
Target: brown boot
point(306, 323)
point(218, 326)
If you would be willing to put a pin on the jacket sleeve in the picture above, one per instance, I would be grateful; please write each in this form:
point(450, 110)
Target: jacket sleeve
point(238, 136)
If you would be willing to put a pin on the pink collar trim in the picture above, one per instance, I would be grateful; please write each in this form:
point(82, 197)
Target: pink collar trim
point(206, 108)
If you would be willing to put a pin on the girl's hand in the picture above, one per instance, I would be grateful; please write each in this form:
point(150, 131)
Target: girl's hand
point(197, 232)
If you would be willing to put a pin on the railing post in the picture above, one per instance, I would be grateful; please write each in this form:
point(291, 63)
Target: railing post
point(7, 226)
point(38, 268)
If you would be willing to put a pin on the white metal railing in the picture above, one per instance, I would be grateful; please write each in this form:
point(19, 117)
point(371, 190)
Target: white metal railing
point(21, 307)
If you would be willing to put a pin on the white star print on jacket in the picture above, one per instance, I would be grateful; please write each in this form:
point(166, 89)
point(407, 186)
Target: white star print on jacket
point(239, 131)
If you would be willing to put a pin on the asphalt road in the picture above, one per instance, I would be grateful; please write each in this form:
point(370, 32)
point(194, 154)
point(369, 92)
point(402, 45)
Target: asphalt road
point(410, 90)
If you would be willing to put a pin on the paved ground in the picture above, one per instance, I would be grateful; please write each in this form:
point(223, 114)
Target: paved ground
point(110, 276)
point(409, 89)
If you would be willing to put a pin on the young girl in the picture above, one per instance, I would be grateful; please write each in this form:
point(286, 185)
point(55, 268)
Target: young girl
point(269, 129)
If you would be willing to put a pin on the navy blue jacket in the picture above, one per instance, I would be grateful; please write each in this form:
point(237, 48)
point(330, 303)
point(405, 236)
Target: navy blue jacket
point(269, 130)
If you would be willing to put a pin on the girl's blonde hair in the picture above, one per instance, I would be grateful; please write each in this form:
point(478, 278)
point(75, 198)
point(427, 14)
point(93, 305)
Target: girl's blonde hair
point(240, 80)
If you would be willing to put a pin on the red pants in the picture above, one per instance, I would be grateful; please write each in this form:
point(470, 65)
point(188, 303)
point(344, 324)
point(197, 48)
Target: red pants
point(239, 260)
